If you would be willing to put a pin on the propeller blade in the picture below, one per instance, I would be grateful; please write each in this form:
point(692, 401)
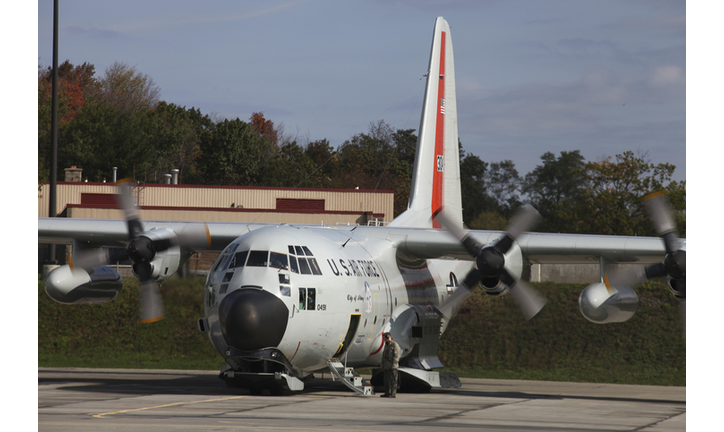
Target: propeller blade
point(88, 259)
point(524, 220)
point(151, 302)
point(91, 258)
point(463, 290)
point(659, 210)
point(195, 236)
point(529, 301)
point(125, 200)
point(472, 246)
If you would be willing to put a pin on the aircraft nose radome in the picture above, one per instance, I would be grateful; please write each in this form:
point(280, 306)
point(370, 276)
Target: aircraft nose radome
point(252, 319)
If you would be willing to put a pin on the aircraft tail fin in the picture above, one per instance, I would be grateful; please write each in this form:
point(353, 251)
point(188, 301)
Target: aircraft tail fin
point(436, 175)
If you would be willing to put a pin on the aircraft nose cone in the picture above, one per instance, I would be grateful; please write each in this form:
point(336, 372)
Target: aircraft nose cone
point(252, 319)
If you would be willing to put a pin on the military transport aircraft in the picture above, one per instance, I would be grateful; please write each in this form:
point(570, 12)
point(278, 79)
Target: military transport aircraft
point(283, 301)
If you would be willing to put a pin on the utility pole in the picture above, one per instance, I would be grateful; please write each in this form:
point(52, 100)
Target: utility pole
point(54, 131)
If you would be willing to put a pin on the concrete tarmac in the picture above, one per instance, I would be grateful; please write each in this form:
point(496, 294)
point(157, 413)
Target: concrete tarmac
point(112, 400)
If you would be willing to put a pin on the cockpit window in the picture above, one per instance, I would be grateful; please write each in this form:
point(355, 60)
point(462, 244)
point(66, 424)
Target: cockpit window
point(278, 260)
point(223, 260)
point(258, 259)
point(239, 259)
point(219, 260)
point(302, 298)
point(311, 297)
point(307, 299)
point(304, 266)
point(300, 264)
point(314, 267)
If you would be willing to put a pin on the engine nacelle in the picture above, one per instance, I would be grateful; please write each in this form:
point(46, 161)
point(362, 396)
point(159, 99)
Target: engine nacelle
point(600, 305)
point(77, 286)
point(165, 262)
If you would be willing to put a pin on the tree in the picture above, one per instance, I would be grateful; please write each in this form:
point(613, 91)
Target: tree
point(75, 85)
point(472, 187)
point(127, 89)
point(613, 204)
point(102, 136)
point(503, 184)
point(556, 188)
point(372, 161)
point(290, 167)
point(324, 158)
point(231, 154)
point(176, 134)
point(489, 220)
point(263, 127)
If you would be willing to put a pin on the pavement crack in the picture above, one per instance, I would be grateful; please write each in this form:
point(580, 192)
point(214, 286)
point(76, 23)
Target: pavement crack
point(656, 423)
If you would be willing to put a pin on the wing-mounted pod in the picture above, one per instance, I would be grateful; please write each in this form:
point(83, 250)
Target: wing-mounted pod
point(603, 304)
point(86, 279)
point(77, 286)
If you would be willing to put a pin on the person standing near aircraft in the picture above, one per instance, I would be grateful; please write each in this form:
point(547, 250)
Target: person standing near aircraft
point(390, 363)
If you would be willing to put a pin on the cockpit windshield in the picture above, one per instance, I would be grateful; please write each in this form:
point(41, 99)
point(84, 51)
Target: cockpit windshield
point(239, 259)
point(278, 260)
point(258, 259)
point(300, 260)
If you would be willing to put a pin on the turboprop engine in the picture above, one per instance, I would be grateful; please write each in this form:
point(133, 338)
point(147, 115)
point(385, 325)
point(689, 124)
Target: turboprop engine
point(674, 266)
point(602, 305)
point(156, 254)
point(498, 266)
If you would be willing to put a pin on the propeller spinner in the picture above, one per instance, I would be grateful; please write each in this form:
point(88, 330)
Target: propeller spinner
point(490, 259)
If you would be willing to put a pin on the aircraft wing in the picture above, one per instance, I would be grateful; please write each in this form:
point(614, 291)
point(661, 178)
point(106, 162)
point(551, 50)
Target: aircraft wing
point(539, 248)
point(107, 232)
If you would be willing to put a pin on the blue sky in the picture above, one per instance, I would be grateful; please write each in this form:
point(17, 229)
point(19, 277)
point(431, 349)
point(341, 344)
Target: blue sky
point(602, 77)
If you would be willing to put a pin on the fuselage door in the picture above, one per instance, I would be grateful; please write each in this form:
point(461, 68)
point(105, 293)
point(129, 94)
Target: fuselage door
point(351, 331)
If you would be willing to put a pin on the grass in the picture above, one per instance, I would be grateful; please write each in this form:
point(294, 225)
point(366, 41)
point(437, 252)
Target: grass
point(109, 335)
point(488, 338)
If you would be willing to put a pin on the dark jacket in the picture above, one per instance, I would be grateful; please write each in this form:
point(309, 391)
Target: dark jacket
point(391, 355)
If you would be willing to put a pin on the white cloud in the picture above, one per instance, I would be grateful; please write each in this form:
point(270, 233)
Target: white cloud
point(667, 75)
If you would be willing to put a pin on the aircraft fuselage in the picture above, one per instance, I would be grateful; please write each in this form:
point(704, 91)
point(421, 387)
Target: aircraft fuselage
point(323, 292)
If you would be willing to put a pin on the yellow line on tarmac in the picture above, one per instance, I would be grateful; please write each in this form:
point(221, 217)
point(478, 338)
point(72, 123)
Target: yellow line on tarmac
point(101, 415)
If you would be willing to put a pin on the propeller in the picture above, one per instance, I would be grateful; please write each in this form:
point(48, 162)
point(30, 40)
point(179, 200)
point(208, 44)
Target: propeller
point(490, 259)
point(674, 265)
point(142, 249)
